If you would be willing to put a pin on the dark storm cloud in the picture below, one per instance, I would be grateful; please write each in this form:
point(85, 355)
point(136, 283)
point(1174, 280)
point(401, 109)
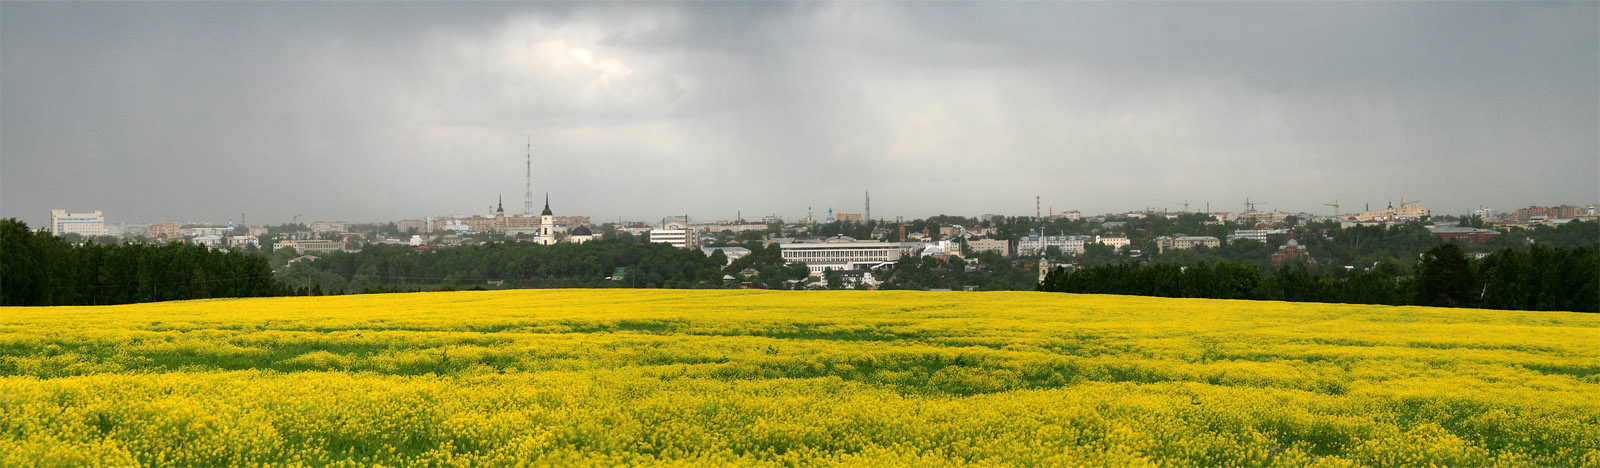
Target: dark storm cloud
point(371, 112)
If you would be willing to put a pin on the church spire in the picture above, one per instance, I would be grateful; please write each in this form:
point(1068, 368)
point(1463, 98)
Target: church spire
point(546, 205)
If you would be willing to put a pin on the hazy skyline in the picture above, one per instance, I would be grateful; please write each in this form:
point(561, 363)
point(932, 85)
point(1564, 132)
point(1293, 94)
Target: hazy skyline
point(382, 111)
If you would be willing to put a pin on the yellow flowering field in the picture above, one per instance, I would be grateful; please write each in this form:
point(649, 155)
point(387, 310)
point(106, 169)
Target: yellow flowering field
point(754, 378)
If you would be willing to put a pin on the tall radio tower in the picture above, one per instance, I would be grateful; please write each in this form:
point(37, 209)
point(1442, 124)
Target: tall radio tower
point(527, 197)
point(869, 205)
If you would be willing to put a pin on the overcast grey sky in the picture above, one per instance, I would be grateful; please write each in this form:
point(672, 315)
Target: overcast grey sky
point(365, 111)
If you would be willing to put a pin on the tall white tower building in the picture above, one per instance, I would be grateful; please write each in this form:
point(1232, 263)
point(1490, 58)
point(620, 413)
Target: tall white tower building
point(547, 224)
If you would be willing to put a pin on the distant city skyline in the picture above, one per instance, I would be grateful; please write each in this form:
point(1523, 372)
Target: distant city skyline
point(368, 112)
point(819, 216)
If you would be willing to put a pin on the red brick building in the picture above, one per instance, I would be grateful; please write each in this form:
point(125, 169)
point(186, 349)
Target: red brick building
point(1291, 251)
point(1471, 236)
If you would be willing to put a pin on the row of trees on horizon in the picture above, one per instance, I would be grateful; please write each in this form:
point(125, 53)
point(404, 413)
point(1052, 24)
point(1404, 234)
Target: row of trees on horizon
point(1543, 278)
point(41, 269)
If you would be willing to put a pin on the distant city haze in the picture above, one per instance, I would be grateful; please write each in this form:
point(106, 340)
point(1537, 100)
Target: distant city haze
point(369, 112)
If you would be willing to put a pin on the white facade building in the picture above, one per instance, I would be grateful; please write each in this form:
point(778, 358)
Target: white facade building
point(680, 238)
point(242, 241)
point(1258, 235)
point(1113, 242)
point(944, 247)
point(87, 224)
point(203, 231)
point(841, 256)
point(208, 241)
point(1035, 244)
point(330, 226)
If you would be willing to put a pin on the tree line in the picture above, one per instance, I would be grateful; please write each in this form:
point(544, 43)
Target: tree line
point(1542, 278)
point(40, 269)
point(595, 264)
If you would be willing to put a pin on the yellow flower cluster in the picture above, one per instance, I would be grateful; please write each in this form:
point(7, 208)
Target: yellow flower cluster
point(766, 378)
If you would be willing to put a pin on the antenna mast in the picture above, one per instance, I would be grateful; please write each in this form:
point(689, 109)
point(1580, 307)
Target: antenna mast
point(869, 205)
point(527, 197)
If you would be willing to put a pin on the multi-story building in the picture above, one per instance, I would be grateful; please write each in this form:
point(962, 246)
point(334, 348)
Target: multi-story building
point(637, 229)
point(204, 231)
point(330, 226)
point(1113, 242)
point(567, 223)
point(944, 249)
point(990, 245)
point(208, 241)
point(1407, 212)
point(851, 217)
point(1471, 236)
point(946, 232)
point(1548, 212)
point(305, 246)
point(123, 229)
point(1073, 215)
point(87, 224)
point(840, 255)
point(243, 241)
point(720, 226)
point(162, 231)
point(1258, 235)
point(680, 238)
point(406, 225)
point(1186, 242)
point(1035, 244)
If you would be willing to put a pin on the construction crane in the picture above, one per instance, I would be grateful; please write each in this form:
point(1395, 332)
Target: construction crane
point(1403, 202)
point(1250, 210)
point(1185, 204)
point(1335, 206)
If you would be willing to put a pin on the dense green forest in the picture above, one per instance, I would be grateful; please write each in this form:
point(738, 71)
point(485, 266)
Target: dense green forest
point(595, 264)
point(987, 271)
point(1544, 278)
point(40, 269)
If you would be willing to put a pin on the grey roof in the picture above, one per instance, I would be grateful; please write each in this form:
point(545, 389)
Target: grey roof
point(726, 250)
point(1460, 230)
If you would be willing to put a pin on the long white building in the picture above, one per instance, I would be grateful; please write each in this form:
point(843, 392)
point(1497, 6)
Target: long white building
point(88, 224)
point(1034, 244)
point(840, 255)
